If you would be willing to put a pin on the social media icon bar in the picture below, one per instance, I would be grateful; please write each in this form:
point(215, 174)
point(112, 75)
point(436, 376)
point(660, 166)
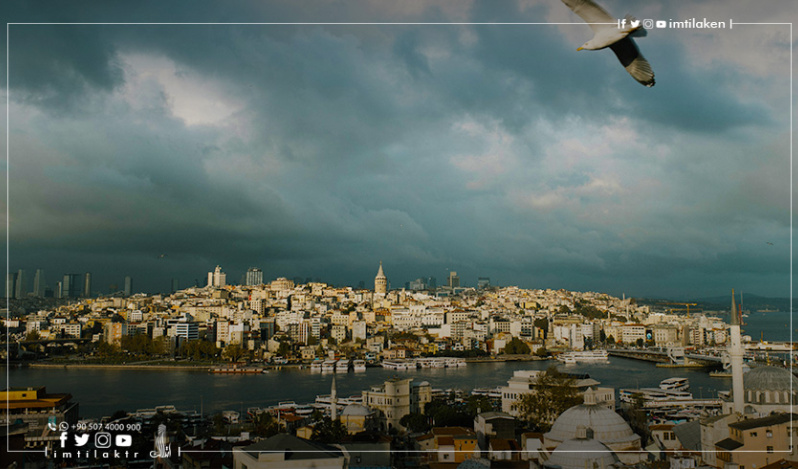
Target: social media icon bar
point(662, 24)
point(648, 23)
point(124, 440)
point(81, 440)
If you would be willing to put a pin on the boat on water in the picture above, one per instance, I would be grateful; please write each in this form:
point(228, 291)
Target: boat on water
point(316, 366)
point(584, 356)
point(342, 366)
point(359, 365)
point(654, 394)
point(493, 393)
point(398, 364)
point(328, 366)
point(238, 370)
point(678, 384)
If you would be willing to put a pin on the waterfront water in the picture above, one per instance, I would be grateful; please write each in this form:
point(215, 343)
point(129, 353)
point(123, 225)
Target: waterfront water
point(102, 392)
point(774, 327)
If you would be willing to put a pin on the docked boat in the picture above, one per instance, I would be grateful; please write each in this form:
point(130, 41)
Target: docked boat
point(328, 366)
point(654, 394)
point(342, 366)
point(493, 393)
point(584, 356)
point(316, 366)
point(678, 384)
point(398, 364)
point(359, 365)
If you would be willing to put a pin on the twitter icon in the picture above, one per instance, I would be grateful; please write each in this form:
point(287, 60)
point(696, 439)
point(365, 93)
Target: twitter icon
point(81, 440)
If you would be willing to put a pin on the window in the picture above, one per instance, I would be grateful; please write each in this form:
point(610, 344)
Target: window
point(753, 434)
point(769, 434)
point(770, 449)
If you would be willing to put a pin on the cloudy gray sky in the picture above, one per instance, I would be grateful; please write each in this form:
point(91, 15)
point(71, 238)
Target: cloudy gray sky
point(319, 150)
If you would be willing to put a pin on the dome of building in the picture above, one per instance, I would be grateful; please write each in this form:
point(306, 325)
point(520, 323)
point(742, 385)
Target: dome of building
point(607, 426)
point(581, 453)
point(356, 410)
point(769, 378)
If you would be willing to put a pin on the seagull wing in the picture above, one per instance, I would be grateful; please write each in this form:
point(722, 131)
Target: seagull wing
point(592, 13)
point(633, 61)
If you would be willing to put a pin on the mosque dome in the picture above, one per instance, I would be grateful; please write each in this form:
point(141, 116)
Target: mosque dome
point(607, 426)
point(356, 410)
point(769, 378)
point(581, 453)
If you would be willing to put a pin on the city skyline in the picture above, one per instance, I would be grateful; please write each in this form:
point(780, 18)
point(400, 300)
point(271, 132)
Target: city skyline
point(319, 150)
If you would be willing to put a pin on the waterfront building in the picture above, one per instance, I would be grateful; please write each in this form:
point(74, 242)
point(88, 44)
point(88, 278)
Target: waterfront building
point(449, 445)
point(380, 282)
point(525, 381)
point(493, 425)
point(114, 331)
point(396, 398)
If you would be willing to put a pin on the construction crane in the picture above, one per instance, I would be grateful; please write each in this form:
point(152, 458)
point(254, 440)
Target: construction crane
point(687, 309)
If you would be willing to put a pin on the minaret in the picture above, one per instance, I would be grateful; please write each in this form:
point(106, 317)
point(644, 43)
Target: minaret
point(380, 282)
point(736, 355)
point(333, 401)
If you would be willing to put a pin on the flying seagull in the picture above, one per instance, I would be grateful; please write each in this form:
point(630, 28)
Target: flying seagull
point(617, 39)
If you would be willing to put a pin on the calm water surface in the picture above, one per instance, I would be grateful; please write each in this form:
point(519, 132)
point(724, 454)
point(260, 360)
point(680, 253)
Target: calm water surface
point(102, 392)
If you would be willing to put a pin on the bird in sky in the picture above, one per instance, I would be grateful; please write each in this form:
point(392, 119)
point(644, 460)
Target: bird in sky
point(606, 33)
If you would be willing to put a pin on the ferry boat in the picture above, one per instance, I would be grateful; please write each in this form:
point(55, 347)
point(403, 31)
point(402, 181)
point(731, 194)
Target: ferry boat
point(654, 394)
point(328, 366)
point(342, 366)
point(494, 393)
point(359, 365)
point(315, 366)
point(678, 384)
point(584, 356)
point(398, 365)
point(453, 362)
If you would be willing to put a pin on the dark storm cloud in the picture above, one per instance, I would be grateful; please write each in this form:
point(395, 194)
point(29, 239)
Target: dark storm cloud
point(319, 150)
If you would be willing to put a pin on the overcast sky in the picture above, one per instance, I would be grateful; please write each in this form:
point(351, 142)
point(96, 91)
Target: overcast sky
point(319, 150)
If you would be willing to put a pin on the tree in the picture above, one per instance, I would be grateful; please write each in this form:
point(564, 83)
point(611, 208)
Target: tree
point(32, 336)
point(284, 349)
point(234, 352)
point(329, 431)
point(415, 422)
point(553, 394)
point(516, 347)
point(639, 342)
point(542, 352)
point(602, 336)
point(266, 425)
point(610, 339)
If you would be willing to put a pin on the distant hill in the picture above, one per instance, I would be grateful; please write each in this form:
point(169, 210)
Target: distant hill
point(723, 303)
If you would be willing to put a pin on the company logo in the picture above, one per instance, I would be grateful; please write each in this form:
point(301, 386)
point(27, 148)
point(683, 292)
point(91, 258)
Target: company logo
point(81, 440)
point(63, 439)
point(162, 448)
point(51, 423)
point(124, 440)
point(635, 23)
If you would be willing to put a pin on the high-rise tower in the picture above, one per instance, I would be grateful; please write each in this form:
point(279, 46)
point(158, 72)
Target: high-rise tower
point(333, 401)
point(380, 282)
point(736, 355)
